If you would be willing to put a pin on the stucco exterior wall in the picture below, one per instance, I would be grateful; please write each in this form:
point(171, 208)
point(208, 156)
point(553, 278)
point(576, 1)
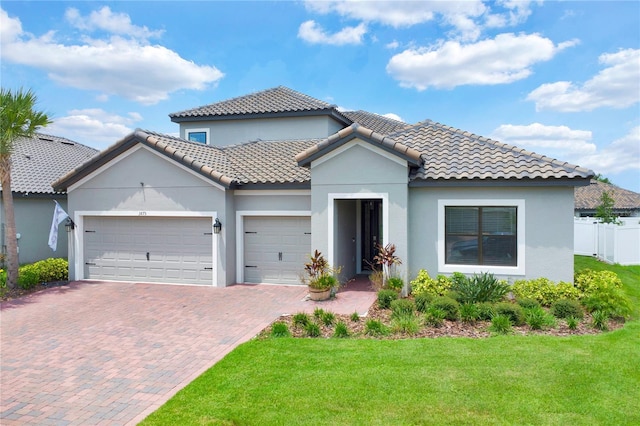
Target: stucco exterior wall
point(548, 228)
point(357, 170)
point(144, 181)
point(229, 132)
point(33, 222)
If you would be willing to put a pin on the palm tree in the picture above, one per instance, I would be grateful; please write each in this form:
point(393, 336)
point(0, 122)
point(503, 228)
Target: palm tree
point(17, 120)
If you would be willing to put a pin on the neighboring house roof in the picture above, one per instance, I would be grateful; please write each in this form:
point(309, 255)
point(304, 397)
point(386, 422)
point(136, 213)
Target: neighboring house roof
point(450, 154)
point(590, 197)
point(37, 161)
point(278, 101)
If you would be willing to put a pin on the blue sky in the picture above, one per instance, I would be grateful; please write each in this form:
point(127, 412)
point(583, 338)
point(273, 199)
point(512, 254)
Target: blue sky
point(558, 78)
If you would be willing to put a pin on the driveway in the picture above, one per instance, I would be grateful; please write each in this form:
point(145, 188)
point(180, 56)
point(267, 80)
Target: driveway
point(112, 353)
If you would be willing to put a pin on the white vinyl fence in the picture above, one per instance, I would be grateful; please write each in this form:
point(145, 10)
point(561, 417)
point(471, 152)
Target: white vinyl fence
point(611, 243)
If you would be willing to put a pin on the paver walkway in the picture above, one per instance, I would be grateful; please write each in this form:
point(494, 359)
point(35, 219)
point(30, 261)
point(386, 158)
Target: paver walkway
point(111, 353)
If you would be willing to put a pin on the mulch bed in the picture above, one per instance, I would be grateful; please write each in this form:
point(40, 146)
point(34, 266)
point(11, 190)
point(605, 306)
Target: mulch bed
point(7, 294)
point(476, 330)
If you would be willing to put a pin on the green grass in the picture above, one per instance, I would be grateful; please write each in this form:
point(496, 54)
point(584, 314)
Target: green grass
point(542, 380)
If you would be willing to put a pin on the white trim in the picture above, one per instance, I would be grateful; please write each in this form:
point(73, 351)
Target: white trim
point(384, 196)
point(363, 144)
point(204, 130)
point(272, 192)
point(79, 216)
point(240, 215)
point(131, 151)
point(519, 269)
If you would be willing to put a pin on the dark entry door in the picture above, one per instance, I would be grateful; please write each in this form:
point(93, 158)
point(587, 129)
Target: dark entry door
point(371, 230)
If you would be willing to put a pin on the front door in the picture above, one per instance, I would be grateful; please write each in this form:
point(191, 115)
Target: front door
point(371, 230)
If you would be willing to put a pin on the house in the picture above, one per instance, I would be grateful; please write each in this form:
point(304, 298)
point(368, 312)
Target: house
point(255, 183)
point(587, 199)
point(36, 162)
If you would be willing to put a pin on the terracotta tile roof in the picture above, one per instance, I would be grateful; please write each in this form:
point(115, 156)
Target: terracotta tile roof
point(304, 158)
point(375, 122)
point(451, 154)
point(277, 100)
point(589, 197)
point(38, 161)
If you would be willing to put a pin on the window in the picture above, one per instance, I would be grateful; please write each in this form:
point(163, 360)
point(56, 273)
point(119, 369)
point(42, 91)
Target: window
point(197, 135)
point(481, 235)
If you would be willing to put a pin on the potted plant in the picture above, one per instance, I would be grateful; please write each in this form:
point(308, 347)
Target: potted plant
point(320, 277)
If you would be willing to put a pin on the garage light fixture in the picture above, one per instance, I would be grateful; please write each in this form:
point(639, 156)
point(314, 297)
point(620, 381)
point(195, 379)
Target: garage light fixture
point(217, 226)
point(69, 224)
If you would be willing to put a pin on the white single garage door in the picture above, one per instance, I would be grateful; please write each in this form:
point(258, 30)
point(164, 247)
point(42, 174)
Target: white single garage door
point(149, 249)
point(276, 249)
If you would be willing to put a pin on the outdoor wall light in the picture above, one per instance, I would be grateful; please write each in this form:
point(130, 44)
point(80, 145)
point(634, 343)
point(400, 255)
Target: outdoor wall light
point(69, 224)
point(217, 226)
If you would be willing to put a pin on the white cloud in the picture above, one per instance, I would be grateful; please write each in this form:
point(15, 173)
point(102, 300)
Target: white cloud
point(94, 127)
point(621, 155)
point(114, 23)
point(467, 18)
point(505, 59)
point(392, 45)
point(118, 66)
point(575, 146)
point(313, 33)
point(616, 86)
point(553, 141)
point(393, 116)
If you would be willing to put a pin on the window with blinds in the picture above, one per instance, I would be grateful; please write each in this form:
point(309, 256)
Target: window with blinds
point(481, 235)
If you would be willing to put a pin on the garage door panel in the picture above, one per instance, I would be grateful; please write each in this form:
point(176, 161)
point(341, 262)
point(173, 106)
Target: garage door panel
point(116, 248)
point(276, 248)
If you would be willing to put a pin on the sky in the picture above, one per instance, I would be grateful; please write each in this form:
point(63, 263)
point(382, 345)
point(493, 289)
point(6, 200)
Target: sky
point(561, 79)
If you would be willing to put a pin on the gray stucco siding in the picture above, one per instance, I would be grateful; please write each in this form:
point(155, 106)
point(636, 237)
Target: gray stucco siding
point(357, 171)
point(548, 228)
point(230, 132)
point(143, 182)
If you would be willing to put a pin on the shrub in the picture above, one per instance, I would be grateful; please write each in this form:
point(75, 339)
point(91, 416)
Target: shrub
point(355, 317)
point(538, 318)
point(528, 303)
point(565, 290)
point(602, 291)
point(301, 319)
point(375, 328)
point(500, 324)
point(402, 307)
point(538, 289)
point(423, 301)
point(434, 316)
point(572, 322)
point(318, 313)
point(480, 288)
point(328, 318)
point(407, 323)
point(28, 277)
point(395, 283)
point(448, 305)
point(385, 297)
point(280, 329)
point(341, 330)
point(425, 284)
point(312, 329)
point(486, 311)
point(469, 312)
point(600, 320)
point(565, 308)
point(511, 310)
point(52, 269)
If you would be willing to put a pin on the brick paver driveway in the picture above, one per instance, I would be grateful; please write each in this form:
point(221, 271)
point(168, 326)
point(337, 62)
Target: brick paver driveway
point(111, 353)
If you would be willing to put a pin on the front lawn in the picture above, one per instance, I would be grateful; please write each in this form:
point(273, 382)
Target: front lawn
point(578, 380)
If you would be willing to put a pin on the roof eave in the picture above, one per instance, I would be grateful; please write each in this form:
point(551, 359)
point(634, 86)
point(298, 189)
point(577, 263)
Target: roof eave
point(500, 182)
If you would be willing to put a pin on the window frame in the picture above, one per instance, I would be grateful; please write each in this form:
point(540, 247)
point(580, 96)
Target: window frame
point(518, 269)
point(187, 133)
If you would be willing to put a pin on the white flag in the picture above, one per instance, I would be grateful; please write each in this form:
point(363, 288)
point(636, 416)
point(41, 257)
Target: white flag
point(59, 215)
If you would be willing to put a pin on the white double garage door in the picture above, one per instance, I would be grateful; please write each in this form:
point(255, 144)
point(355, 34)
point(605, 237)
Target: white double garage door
point(180, 249)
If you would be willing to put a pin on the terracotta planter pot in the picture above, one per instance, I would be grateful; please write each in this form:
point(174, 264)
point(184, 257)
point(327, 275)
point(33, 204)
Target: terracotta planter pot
point(319, 294)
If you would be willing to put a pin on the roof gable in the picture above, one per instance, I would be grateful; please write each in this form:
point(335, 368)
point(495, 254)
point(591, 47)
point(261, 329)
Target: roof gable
point(356, 131)
point(38, 161)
